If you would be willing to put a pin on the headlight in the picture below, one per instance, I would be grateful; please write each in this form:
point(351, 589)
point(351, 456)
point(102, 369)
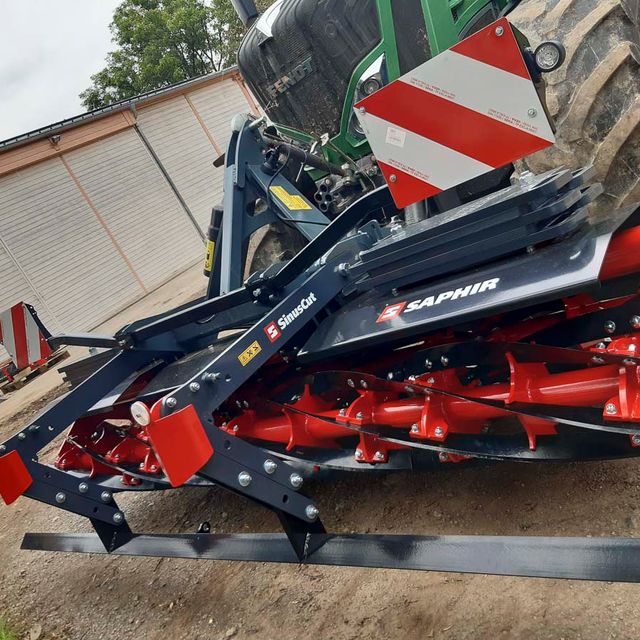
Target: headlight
point(549, 56)
point(372, 80)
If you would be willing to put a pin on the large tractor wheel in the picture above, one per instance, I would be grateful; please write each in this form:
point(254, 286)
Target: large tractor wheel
point(278, 243)
point(595, 96)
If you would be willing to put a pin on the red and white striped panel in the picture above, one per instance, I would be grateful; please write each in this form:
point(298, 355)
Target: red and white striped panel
point(467, 111)
point(21, 336)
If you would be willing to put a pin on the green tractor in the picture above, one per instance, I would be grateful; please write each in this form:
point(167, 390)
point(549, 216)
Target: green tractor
point(308, 62)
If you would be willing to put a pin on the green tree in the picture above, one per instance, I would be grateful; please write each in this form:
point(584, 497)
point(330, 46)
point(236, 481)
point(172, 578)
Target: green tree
point(160, 42)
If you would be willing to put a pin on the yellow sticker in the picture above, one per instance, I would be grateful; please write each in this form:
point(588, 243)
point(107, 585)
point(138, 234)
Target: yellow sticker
point(211, 252)
point(293, 203)
point(249, 353)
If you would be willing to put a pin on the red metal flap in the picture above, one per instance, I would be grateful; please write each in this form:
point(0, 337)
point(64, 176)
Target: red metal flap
point(181, 444)
point(15, 478)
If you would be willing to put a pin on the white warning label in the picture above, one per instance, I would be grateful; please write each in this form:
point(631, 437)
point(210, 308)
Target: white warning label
point(396, 137)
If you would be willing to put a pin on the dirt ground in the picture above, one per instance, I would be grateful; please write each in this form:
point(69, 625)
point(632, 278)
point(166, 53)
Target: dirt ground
point(93, 598)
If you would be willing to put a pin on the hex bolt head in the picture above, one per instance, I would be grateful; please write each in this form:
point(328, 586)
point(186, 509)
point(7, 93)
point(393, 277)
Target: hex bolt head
point(312, 512)
point(635, 322)
point(83, 487)
point(359, 415)
point(601, 345)
point(445, 361)
point(244, 479)
point(171, 402)
point(118, 517)
point(532, 112)
point(393, 177)
point(610, 326)
point(415, 428)
point(194, 387)
point(439, 431)
point(61, 497)
point(22, 436)
point(106, 496)
point(611, 409)
point(359, 454)
point(379, 456)
point(342, 412)
point(428, 364)
point(2, 448)
point(296, 480)
point(443, 457)
point(362, 110)
point(499, 31)
point(635, 439)
point(351, 383)
point(270, 466)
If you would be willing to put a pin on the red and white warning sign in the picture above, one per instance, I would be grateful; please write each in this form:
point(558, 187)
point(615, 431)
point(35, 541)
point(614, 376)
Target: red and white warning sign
point(23, 336)
point(467, 111)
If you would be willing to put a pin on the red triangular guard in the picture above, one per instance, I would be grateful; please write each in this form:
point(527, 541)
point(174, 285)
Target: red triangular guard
point(15, 478)
point(406, 189)
point(488, 47)
point(181, 444)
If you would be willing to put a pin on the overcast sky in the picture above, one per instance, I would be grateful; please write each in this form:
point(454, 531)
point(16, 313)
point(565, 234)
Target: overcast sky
point(48, 51)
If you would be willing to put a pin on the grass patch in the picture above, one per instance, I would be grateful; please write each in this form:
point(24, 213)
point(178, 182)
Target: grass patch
point(6, 633)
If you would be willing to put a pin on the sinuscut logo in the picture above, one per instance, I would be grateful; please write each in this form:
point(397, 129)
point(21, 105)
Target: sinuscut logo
point(394, 310)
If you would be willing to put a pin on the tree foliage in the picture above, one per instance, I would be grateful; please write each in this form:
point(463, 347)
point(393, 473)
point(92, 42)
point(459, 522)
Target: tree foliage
point(161, 42)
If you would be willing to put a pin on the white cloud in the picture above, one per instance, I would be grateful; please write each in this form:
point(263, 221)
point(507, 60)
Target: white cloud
point(48, 51)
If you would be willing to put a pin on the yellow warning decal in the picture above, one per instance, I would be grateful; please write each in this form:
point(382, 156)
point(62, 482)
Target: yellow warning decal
point(211, 252)
point(249, 353)
point(293, 203)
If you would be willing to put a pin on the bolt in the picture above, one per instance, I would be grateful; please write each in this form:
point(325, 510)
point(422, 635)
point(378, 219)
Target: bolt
point(312, 512)
point(379, 455)
point(363, 384)
point(194, 387)
point(61, 497)
point(342, 412)
point(635, 439)
point(362, 110)
point(531, 249)
point(106, 496)
point(211, 377)
point(296, 480)
point(153, 468)
point(244, 479)
point(170, 402)
point(2, 448)
point(351, 383)
point(257, 293)
point(270, 466)
point(428, 364)
point(439, 431)
point(343, 269)
point(635, 322)
point(610, 326)
point(34, 428)
point(390, 375)
point(611, 409)
point(597, 360)
point(445, 361)
point(359, 415)
point(415, 428)
point(359, 454)
point(236, 428)
point(394, 292)
point(22, 436)
point(499, 31)
point(393, 178)
point(431, 380)
point(601, 345)
point(443, 457)
point(83, 487)
point(532, 112)
point(118, 517)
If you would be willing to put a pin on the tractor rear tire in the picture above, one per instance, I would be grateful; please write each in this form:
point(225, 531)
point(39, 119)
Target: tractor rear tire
point(595, 96)
point(277, 244)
